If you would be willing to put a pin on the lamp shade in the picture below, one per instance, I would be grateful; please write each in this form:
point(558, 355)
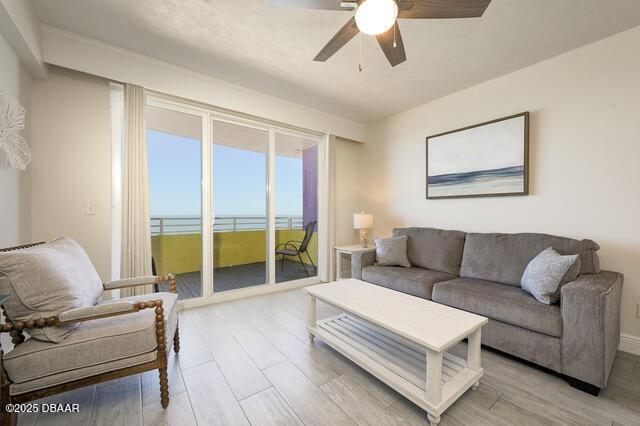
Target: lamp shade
point(362, 220)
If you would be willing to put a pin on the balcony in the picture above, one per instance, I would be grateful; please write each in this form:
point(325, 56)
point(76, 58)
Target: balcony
point(239, 251)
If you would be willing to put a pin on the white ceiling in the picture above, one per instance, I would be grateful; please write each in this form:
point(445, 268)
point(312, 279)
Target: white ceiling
point(270, 49)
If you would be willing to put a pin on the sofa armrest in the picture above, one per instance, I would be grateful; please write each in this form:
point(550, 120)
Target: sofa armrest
point(359, 260)
point(136, 281)
point(591, 326)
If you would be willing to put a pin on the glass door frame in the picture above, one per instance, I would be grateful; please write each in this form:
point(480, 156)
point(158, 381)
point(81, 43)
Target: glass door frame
point(209, 115)
point(214, 117)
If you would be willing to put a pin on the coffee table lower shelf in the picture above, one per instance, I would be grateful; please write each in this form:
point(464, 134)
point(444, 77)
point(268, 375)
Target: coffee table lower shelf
point(398, 362)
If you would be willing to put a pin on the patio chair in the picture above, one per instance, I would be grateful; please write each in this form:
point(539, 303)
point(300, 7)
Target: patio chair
point(296, 248)
point(52, 291)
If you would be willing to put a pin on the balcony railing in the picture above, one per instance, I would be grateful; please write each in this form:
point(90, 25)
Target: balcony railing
point(162, 225)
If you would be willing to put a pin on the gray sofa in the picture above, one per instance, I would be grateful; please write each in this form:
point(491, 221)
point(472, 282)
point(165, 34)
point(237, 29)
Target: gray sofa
point(481, 273)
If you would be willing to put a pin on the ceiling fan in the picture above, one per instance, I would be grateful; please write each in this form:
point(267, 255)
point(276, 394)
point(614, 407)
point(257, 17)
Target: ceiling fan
point(379, 18)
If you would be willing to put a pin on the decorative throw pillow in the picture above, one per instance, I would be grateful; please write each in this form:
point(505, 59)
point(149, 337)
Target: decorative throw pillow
point(392, 251)
point(544, 273)
point(47, 280)
point(571, 275)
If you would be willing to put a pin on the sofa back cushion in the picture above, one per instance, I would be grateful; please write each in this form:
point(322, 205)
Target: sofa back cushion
point(503, 258)
point(47, 280)
point(435, 249)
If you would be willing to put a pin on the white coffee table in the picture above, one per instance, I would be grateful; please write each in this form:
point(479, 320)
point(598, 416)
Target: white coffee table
point(402, 340)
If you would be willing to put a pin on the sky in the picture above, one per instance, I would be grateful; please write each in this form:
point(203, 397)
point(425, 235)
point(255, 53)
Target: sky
point(239, 179)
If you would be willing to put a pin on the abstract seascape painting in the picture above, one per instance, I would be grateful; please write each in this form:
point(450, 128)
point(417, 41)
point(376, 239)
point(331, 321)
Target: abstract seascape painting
point(486, 159)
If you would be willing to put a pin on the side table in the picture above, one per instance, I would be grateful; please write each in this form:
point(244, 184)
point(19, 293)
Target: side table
point(348, 250)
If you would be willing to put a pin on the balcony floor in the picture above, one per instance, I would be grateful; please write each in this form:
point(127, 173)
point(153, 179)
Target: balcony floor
point(241, 276)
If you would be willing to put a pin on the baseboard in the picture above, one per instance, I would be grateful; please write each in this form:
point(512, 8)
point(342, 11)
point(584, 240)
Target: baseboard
point(629, 343)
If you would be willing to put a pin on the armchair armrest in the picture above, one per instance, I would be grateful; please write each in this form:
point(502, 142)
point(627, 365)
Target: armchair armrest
point(360, 259)
point(591, 326)
point(86, 314)
point(136, 281)
point(96, 311)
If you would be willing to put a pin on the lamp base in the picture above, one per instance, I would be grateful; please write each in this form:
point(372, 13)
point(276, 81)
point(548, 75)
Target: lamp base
point(363, 238)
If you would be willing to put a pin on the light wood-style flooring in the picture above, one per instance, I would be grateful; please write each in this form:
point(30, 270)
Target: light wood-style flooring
point(250, 362)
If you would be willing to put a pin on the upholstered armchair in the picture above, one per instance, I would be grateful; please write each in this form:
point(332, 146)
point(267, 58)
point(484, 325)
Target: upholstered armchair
point(75, 340)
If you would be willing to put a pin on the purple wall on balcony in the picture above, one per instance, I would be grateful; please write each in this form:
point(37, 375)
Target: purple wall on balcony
point(309, 185)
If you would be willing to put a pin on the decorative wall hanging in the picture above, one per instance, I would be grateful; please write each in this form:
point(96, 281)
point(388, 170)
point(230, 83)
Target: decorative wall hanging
point(483, 160)
point(14, 150)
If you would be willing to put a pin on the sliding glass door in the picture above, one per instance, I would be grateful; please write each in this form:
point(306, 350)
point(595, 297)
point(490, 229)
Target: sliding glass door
point(234, 202)
point(174, 159)
point(239, 205)
point(296, 206)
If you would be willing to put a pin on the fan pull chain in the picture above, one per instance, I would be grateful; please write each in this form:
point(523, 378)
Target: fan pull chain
point(360, 62)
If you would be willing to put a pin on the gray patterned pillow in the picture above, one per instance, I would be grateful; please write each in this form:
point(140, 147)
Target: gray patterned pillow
point(47, 280)
point(544, 273)
point(392, 251)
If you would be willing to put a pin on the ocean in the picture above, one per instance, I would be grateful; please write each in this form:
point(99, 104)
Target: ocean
point(494, 181)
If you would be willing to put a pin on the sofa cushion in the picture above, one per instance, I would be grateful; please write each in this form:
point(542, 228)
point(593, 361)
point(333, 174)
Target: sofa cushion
point(503, 257)
point(504, 303)
point(93, 343)
point(415, 281)
point(435, 249)
point(46, 280)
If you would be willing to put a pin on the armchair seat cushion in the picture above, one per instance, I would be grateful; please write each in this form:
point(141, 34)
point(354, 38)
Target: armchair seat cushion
point(415, 281)
point(505, 303)
point(96, 346)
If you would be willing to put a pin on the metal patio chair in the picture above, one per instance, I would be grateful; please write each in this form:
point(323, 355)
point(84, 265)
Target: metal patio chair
point(296, 248)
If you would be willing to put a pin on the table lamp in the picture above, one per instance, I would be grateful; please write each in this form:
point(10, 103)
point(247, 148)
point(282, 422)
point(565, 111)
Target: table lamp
point(363, 221)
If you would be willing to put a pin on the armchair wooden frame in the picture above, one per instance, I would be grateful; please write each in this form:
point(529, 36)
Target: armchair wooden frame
point(16, 329)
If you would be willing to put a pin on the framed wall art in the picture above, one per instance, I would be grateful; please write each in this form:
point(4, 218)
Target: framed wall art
point(483, 160)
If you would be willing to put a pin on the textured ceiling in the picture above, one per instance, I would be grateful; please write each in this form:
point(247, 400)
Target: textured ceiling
point(270, 49)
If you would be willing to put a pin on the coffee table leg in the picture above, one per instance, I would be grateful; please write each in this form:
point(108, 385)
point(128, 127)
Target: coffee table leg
point(311, 315)
point(473, 353)
point(433, 420)
point(433, 387)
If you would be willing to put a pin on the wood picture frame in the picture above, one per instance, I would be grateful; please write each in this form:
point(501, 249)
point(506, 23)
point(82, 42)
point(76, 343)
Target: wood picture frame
point(488, 159)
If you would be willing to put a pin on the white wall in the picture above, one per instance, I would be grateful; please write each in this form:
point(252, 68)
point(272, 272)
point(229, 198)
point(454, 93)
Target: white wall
point(71, 144)
point(585, 148)
point(84, 54)
point(20, 27)
point(14, 184)
point(347, 192)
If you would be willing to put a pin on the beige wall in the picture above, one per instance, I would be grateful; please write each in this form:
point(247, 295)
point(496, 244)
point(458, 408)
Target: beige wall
point(71, 143)
point(347, 192)
point(585, 148)
point(14, 184)
point(94, 57)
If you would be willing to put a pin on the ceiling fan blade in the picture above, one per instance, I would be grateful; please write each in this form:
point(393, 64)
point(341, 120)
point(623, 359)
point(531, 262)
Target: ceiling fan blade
point(341, 38)
point(441, 9)
point(315, 4)
point(396, 55)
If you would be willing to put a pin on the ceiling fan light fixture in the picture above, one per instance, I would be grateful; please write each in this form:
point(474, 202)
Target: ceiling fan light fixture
point(374, 17)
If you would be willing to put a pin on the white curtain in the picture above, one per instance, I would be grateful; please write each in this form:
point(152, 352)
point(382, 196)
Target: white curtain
point(326, 209)
point(136, 231)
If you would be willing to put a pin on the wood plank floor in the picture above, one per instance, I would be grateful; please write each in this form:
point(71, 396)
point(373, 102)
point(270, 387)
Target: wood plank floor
point(249, 362)
point(240, 276)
